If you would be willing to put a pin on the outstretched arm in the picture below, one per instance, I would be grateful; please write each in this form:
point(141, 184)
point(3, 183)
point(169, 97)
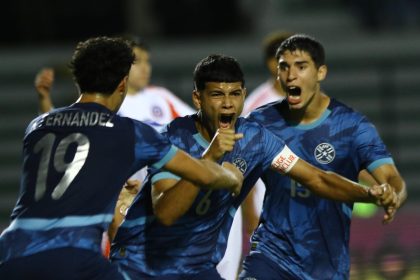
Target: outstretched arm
point(331, 185)
point(205, 173)
point(43, 84)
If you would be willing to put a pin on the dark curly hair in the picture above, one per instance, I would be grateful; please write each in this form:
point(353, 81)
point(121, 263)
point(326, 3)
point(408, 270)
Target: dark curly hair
point(99, 64)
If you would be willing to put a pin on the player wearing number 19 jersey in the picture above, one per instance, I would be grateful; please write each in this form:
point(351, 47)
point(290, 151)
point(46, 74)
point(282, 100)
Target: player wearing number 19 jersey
point(194, 245)
point(82, 149)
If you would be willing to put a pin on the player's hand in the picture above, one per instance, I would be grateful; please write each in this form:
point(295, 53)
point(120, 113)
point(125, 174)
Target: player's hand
point(237, 188)
point(127, 195)
point(222, 142)
point(387, 198)
point(44, 81)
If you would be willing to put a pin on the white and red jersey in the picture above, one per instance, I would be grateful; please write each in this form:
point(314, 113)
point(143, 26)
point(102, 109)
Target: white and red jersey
point(154, 104)
point(263, 94)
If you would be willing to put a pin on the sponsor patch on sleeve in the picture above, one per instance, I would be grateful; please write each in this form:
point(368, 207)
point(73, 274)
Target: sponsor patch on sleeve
point(285, 160)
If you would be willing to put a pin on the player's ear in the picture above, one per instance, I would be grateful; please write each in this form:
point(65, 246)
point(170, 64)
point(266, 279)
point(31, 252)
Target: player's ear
point(322, 72)
point(122, 86)
point(196, 99)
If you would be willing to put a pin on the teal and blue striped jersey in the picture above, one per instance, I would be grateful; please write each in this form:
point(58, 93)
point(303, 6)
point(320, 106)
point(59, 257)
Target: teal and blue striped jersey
point(306, 235)
point(197, 241)
point(75, 162)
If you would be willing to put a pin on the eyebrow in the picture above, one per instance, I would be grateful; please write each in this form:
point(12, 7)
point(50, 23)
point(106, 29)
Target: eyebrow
point(297, 62)
point(229, 92)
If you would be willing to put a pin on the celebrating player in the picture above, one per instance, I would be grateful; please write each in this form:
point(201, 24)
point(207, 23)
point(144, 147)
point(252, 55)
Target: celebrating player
point(302, 235)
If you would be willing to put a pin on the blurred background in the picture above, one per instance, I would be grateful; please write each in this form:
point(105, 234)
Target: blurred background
point(373, 54)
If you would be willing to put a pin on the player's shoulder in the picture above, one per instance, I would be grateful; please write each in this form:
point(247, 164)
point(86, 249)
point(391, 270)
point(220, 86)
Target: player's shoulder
point(343, 110)
point(267, 111)
point(248, 126)
point(181, 125)
point(124, 122)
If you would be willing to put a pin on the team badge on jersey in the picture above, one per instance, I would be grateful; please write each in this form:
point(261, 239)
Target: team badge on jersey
point(157, 111)
point(240, 164)
point(324, 153)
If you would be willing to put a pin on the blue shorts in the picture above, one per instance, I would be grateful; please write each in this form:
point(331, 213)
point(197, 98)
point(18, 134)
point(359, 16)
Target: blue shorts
point(259, 267)
point(61, 264)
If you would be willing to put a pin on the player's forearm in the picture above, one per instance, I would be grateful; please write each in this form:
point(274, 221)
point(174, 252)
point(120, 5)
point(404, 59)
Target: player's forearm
point(172, 204)
point(400, 188)
point(336, 187)
point(329, 184)
point(221, 178)
point(203, 173)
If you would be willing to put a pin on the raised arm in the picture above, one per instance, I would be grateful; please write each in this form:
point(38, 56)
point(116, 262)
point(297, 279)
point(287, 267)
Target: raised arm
point(43, 84)
point(172, 197)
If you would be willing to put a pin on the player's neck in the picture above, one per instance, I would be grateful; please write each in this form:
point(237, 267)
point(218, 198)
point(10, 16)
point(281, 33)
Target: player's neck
point(204, 129)
point(312, 112)
point(105, 100)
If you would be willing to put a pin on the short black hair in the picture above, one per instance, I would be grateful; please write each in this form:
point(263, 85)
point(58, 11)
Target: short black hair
point(99, 64)
point(306, 43)
point(217, 68)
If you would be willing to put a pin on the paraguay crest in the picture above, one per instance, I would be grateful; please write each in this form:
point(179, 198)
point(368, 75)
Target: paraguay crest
point(324, 153)
point(240, 163)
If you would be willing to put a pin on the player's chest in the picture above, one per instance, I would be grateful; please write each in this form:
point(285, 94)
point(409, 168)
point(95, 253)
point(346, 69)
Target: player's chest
point(323, 146)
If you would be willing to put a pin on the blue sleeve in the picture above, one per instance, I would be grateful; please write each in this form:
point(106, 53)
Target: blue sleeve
point(272, 146)
point(370, 148)
point(151, 148)
point(164, 175)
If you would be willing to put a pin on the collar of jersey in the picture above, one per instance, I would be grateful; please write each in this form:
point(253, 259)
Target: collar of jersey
point(91, 105)
point(201, 140)
point(315, 123)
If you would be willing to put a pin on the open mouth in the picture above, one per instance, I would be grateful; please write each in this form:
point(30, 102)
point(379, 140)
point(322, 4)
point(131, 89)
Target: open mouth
point(294, 94)
point(225, 120)
point(294, 91)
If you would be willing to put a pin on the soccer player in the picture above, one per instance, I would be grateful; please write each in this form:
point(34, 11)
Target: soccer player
point(173, 230)
point(75, 160)
point(153, 104)
point(302, 235)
